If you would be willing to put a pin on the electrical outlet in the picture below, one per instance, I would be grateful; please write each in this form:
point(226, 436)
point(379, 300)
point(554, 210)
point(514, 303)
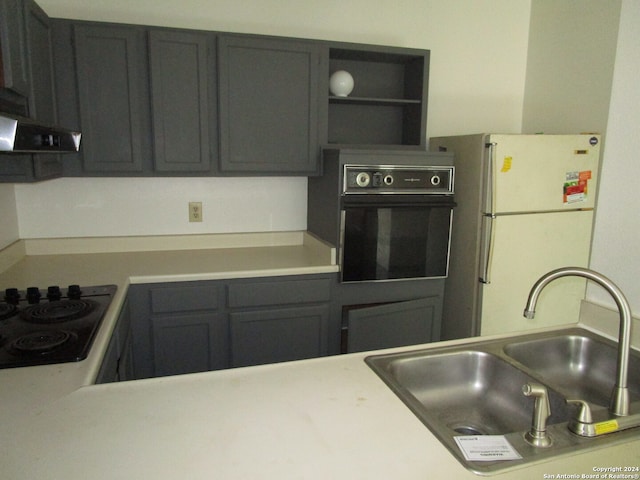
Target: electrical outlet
point(195, 211)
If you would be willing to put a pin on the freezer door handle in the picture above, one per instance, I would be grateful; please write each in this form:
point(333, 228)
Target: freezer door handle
point(486, 250)
point(490, 178)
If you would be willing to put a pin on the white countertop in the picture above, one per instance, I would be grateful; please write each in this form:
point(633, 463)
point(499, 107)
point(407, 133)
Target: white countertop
point(322, 418)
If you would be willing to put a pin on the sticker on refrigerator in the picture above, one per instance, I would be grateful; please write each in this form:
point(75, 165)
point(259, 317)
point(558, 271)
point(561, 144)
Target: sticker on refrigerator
point(506, 164)
point(576, 186)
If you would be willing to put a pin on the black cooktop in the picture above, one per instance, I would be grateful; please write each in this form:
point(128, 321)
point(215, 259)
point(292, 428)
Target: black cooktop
point(56, 325)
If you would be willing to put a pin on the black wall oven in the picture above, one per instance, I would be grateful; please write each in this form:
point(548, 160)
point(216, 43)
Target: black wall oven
point(388, 212)
point(395, 222)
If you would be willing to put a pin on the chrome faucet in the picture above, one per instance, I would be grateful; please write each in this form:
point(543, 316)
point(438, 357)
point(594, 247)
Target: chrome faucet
point(619, 404)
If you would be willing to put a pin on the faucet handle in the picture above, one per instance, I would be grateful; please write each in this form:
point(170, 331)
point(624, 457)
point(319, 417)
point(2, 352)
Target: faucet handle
point(582, 424)
point(584, 411)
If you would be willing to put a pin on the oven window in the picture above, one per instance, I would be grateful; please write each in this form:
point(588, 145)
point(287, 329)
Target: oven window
point(384, 243)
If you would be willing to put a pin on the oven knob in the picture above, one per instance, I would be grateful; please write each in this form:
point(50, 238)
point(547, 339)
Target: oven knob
point(388, 179)
point(33, 295)
point(363, 179)
point(74, 292)
point(12, 296)
point(54, 293)
point(435, 180)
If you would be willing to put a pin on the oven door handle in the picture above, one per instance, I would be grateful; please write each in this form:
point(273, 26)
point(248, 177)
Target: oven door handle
point(387, 201)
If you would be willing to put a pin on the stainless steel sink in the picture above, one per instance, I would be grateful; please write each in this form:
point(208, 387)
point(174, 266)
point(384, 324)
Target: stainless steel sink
point(578, 366)
point(476, 389)
point(468, 392)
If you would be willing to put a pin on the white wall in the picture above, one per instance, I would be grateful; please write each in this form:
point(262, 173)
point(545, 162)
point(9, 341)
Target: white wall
point(617, 228)
point(478, 67)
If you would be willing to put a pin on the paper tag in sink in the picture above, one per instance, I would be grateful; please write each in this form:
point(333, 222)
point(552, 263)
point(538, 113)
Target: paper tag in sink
point(486, 448)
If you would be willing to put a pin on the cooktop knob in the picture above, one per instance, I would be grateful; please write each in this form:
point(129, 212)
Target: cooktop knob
point(74, 292)
point(54, 293)
point(12, 296)
point(33, 295)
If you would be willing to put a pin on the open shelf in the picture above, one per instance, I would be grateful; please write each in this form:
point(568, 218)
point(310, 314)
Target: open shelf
point(388, 103)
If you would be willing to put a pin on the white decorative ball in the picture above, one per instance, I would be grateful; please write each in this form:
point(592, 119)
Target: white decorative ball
point(341, 83)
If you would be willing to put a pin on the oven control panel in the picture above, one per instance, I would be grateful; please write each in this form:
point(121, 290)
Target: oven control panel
point(372, 179)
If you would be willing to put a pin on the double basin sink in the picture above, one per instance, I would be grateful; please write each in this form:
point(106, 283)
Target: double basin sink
point(477, 389)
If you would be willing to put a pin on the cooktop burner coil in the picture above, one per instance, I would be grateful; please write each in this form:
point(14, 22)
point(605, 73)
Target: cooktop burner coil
point(58, 311)
point(42, 342)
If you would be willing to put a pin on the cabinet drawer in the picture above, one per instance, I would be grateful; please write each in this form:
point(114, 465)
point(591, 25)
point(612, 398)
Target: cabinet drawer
point(266, 293)
point(184, 298)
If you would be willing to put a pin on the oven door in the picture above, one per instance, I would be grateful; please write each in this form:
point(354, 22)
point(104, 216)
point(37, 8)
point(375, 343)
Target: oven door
point(391, 237)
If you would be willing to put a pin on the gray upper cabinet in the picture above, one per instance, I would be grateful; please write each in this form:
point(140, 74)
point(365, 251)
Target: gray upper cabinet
point(269, 106)
point(28, 83)
point(111, 66)
point(42, 95)
point(154, 101)
point(183, 100)
point(15, 71)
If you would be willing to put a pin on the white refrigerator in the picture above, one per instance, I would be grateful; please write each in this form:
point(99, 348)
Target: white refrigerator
point(525, 206)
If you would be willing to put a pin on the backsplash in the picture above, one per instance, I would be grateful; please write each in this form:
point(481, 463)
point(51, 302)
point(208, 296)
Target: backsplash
point(93, 207)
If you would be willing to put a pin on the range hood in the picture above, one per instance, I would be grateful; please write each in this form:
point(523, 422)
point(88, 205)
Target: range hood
point(23, 135)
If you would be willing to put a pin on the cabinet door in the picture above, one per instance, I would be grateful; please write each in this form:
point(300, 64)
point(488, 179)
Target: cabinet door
point(108, 372)
point(393, 324)
point(183, 114)
point(15, 66)
point(269, 101)
point(116, 363)
point(28, 70)
point(110, 62)
point(189, 343)
point(278, 335)
point(42, 104)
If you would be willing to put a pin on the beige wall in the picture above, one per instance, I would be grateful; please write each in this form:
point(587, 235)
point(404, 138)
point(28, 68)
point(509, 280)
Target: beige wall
point(617, 228)
point(572, 46)
point(477, 80)
point(479, 63)
point(8, 215)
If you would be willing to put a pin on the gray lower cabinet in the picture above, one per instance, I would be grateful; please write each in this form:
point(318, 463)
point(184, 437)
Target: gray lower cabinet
point(375, 315)
point(269, 106)
point(279, 320)
point(393, 325)
point(187, 327)
point(278, 335)
point(117, 365)
point(178, 328)
point(188, 343)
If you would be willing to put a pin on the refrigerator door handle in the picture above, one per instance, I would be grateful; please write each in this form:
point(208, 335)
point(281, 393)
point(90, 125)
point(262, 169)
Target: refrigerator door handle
point(490, 179)
point(486, 247)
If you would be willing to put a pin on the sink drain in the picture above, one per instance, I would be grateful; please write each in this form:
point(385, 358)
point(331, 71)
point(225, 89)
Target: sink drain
point(467, 430)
